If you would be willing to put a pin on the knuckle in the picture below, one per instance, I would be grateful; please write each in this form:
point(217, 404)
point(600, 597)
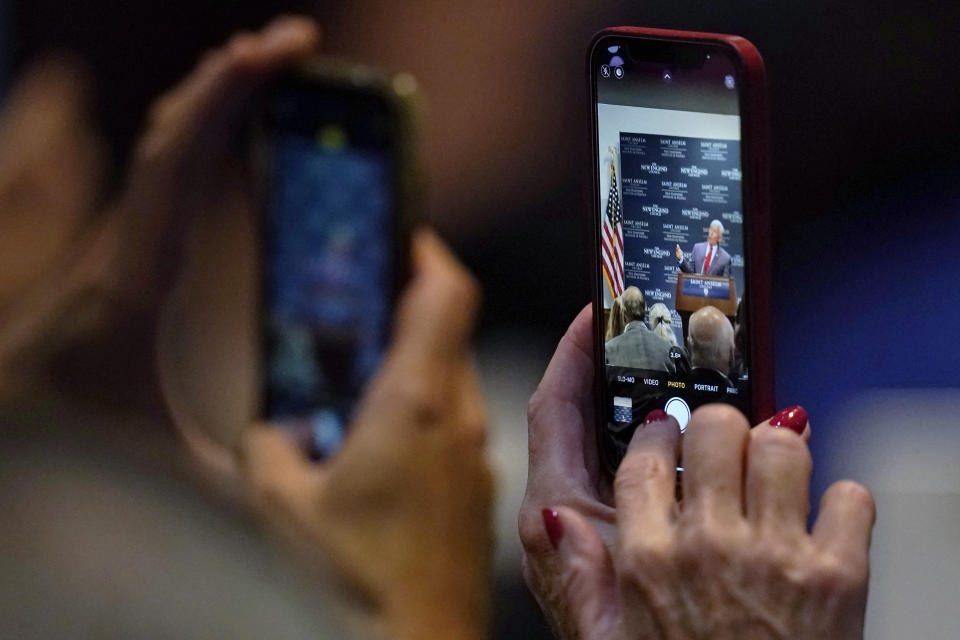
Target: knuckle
point(533, 535)
point(643, 556)
point(637, 470)
point(775, 555)
point(420, 399)
point(852, 493)
point(778, 443)
point(837, 577)
point(704, 544)
point(646, 567)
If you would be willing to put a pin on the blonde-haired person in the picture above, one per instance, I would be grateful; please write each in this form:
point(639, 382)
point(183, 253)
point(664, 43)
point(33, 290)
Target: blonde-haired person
point(660, 322)
point(615, 321)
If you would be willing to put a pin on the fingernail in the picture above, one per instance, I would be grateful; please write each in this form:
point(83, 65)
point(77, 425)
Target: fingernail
point(551, 522)
point(794, 418)
point(657, 415)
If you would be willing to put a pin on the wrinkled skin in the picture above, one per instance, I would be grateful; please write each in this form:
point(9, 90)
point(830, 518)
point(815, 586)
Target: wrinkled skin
point(733, 561)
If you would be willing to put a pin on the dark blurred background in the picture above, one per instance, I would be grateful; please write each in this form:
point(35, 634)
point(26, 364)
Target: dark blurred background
point(864, 99)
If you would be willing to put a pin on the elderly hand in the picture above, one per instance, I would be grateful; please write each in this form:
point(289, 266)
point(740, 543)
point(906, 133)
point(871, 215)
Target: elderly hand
point(403, 510)
point(564, 468)
point(735, 560)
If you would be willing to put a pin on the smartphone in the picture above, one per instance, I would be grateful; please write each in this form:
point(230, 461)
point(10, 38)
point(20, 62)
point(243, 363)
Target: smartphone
point(339, 205)
point(680, 229)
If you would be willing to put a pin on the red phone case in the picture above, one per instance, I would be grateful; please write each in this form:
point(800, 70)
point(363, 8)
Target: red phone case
point(756, 167)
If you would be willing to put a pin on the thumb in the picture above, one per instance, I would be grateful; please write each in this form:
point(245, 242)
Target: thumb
point(588, 577)
point(280, 476)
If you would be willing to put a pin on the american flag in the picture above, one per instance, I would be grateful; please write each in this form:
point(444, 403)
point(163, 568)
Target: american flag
point(612, 238)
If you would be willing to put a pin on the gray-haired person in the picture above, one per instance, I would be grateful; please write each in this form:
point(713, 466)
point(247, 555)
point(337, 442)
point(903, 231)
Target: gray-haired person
point(661, 321)
point(708, 258)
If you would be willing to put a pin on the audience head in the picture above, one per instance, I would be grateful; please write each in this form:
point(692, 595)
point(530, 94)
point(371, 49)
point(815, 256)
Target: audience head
point(615, 321)
point(715, 233)
point(634, 308)
point(661, 323)
point(710, 340)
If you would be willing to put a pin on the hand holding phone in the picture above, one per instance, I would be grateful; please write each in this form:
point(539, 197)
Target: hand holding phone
point(403, 511)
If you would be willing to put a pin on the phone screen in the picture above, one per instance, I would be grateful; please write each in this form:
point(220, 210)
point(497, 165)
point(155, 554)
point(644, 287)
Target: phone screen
point(671, 243)
point(328, 256)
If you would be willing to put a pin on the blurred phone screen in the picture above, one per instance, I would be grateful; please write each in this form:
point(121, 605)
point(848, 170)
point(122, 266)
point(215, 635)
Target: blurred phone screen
point(328, 256)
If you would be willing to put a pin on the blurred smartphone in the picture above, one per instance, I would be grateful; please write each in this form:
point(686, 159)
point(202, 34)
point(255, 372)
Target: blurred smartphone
point(336, 150)
point(680, 231)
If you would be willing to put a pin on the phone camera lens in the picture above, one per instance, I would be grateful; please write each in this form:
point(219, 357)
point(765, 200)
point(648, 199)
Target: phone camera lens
point(667, 76)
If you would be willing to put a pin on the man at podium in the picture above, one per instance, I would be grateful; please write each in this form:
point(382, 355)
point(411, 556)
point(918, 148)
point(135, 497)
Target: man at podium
point(709, 258)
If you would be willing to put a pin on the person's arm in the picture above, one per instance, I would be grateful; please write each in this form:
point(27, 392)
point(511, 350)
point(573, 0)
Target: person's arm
point(682, 261)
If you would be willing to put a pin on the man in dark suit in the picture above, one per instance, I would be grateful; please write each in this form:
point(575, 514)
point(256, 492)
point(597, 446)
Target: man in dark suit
point(637, 346)
point(710, 341)
point(709, 257)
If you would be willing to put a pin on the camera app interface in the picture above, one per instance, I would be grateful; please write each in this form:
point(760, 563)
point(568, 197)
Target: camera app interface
point(327, 249)
point(670, 230)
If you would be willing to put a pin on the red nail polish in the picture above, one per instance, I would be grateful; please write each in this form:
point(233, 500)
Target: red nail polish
point(657, 415)
point(551, 522)
point(794, 418)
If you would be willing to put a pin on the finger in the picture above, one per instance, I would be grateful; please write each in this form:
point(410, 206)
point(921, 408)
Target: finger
point(180, 159)
point(215, 85)
point(843, 528)
point(561, 409)
point(278, 473)
point(436, 314)
point(713, 455)
point(587, 573)
point(428, 362)
point(645, 484)
point(778, 480)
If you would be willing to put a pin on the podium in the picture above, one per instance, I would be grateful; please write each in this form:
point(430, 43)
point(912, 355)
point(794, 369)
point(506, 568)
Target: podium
point(695, 291)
